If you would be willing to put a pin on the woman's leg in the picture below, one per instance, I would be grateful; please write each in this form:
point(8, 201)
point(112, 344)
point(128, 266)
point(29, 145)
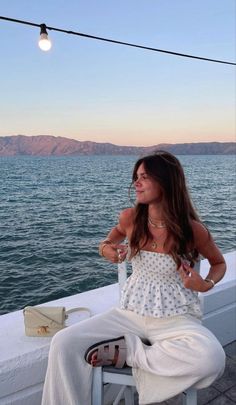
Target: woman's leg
point(182, 354)
point(69, 376)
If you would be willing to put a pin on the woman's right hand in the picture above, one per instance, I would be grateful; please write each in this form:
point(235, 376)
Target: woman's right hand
point(115, 253)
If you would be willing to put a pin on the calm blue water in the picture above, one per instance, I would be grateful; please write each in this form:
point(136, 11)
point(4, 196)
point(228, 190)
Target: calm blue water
point(55, 210)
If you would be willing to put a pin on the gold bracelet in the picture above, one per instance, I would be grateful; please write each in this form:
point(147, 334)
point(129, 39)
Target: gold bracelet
point(209, 280)
point(102, 249)
point(103, 244)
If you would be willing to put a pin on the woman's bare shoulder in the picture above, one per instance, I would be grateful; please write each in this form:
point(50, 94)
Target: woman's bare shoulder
point(200, 232)
point(125, 224)
point(127, 216)
point(205, 244)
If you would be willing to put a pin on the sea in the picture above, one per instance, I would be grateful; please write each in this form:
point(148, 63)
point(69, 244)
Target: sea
point(54, 211)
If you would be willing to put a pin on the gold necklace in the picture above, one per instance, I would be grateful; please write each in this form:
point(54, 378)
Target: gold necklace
point(160, 224)
point(156, 241)
point(154, 244)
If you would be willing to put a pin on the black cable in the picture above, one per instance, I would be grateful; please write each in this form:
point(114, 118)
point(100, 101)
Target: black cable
point(118, 42)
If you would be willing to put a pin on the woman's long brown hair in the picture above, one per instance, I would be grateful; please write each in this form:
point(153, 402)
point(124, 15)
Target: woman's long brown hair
point(178, 209)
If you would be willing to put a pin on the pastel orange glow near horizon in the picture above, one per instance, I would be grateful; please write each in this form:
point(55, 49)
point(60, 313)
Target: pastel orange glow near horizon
point(93, 91)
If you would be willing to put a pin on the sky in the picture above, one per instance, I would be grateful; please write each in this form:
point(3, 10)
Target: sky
point(90, 90)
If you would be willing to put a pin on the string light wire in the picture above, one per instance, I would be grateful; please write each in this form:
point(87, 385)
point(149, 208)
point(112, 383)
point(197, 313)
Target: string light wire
point(118, 42)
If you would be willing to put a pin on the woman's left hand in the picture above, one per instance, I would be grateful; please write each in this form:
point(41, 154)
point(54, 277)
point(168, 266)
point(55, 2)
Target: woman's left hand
point(192, 279)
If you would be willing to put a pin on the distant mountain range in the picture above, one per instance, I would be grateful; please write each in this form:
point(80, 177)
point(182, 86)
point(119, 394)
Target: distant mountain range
point(45, 145)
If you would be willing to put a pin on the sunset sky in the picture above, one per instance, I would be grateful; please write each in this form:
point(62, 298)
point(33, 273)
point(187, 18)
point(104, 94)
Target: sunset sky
point(90, 90)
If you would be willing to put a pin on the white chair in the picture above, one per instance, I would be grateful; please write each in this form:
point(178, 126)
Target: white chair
point(123, 377)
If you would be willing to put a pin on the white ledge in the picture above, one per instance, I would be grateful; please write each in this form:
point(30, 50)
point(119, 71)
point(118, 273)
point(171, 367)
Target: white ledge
point(23, 360)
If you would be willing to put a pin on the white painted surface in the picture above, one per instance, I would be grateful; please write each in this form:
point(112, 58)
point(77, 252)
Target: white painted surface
point(23, 360)
point(219, 303)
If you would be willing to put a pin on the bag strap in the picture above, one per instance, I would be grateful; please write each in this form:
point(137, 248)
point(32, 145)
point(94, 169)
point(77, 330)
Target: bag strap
point(69, 311)
point(43, 317)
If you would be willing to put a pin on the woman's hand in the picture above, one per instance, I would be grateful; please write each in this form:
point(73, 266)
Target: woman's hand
point(113, 247)
point(192, 279)
point(115, 253)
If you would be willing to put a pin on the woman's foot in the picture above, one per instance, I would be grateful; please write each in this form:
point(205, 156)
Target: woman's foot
point(107, 353)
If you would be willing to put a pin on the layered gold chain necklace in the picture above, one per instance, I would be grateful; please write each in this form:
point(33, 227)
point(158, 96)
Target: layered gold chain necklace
point(158, 225)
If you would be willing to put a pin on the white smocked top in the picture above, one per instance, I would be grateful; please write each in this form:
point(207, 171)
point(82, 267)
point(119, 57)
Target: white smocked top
point(155, 288)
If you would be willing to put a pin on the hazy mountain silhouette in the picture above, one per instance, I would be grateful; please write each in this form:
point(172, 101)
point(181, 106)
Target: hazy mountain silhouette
point(45, 145)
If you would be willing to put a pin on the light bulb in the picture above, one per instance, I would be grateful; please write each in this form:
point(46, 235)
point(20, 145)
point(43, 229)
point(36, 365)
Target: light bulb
point(44, 43)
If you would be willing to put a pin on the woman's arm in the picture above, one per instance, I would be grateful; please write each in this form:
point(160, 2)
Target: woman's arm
point(207, 248)
point(110, 247)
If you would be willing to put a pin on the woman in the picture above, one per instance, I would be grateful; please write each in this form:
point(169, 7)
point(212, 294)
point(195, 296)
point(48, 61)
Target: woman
point(157, 329)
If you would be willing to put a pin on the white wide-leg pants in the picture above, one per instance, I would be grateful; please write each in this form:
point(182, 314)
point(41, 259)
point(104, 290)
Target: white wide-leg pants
point(181, 353)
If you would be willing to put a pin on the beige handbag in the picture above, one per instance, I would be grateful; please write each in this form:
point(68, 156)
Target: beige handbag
point(46, 321)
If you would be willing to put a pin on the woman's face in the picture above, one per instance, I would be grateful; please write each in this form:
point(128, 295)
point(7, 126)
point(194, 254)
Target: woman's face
point(148, 191)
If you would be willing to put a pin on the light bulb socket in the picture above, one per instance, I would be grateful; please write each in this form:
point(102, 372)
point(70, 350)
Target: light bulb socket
point(43, 29)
